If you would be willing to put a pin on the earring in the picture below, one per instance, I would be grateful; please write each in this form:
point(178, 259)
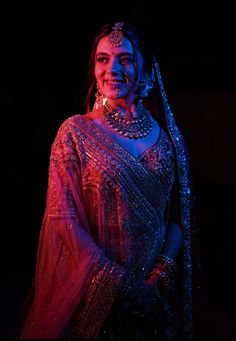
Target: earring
point(100, 99)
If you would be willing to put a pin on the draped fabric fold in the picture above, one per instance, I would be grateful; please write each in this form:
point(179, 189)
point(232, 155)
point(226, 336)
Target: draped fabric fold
point(193, 292)
point(69, 264)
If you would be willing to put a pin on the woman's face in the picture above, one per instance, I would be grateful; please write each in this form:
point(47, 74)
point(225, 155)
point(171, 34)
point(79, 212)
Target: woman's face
point(115, 68)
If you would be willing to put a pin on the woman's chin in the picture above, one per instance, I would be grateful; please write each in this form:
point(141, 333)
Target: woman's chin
point(115, 94)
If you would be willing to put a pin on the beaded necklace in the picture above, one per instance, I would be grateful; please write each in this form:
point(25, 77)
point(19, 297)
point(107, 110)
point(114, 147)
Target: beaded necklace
point(138, 127)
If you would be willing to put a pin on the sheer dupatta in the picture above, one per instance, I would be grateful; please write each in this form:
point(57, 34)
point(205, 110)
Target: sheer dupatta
point(71, 271)
point(193, 291)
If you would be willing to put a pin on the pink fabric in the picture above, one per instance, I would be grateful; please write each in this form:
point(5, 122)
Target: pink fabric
point(68, 260)
point(105, 213)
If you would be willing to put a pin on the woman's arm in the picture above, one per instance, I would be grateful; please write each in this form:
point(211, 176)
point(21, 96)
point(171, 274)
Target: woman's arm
point(174, 241)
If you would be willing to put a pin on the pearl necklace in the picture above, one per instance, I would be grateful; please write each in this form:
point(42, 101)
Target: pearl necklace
point(138, 127)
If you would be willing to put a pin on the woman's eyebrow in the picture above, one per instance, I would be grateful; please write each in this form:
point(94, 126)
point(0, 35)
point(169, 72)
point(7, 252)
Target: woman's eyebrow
point(121, 54)
point(127, 54)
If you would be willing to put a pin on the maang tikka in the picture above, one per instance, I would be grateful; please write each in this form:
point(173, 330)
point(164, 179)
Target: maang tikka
point(116, 36)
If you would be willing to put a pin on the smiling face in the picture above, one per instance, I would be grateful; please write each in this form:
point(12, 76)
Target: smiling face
point(116, 68)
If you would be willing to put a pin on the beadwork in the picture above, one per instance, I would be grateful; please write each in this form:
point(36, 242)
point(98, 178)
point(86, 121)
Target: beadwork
point(138, 127)
point(116, 36)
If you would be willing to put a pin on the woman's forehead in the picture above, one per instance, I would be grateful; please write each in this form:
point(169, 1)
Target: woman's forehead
point(104, 46)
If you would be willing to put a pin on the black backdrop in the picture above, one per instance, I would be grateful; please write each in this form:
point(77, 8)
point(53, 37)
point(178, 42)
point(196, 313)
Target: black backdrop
point(44, 59)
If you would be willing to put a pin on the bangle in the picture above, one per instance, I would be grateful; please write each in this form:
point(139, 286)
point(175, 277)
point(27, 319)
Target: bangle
point(159, 273)
point(164, 270)
point(168, 260)
point(168, 264)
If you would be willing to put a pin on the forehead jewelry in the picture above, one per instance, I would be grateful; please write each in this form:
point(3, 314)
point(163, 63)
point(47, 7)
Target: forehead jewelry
point(116, 36)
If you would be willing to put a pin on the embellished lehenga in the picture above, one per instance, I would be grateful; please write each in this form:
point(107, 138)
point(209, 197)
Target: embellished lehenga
point(106, 212)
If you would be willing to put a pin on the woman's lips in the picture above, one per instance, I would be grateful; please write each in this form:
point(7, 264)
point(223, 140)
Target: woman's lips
point(114, 84)
point(114, 81)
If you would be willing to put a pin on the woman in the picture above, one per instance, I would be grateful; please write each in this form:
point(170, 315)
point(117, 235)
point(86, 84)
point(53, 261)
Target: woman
point(115, 256)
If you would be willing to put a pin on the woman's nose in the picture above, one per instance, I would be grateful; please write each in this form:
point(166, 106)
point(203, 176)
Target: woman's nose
point(113, 67)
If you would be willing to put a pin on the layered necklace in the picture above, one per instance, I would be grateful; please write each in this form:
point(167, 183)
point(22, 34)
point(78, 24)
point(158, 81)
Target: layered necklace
point(138, 127)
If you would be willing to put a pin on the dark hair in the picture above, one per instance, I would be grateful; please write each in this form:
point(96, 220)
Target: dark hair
point(139, 43)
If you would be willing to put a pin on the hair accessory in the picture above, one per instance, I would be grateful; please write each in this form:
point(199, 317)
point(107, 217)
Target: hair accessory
point(116, 36)
point(146, 85)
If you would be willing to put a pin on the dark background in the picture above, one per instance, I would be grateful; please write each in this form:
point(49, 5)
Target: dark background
point(44, 59)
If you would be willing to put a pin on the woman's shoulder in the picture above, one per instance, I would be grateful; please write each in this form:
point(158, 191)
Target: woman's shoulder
point(93, 115)
point(65, 137)
point(78, 119)
point(76, 123)
point(69, 124)
point(71, 120)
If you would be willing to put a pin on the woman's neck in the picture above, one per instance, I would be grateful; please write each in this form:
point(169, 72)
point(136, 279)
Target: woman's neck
point(128, 107)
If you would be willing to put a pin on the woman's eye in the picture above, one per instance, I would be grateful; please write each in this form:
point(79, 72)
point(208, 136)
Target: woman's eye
point(102, 60)
point(126, 61)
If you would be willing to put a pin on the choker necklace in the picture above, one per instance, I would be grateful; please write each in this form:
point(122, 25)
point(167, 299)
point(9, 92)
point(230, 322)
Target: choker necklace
point(138, 127)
